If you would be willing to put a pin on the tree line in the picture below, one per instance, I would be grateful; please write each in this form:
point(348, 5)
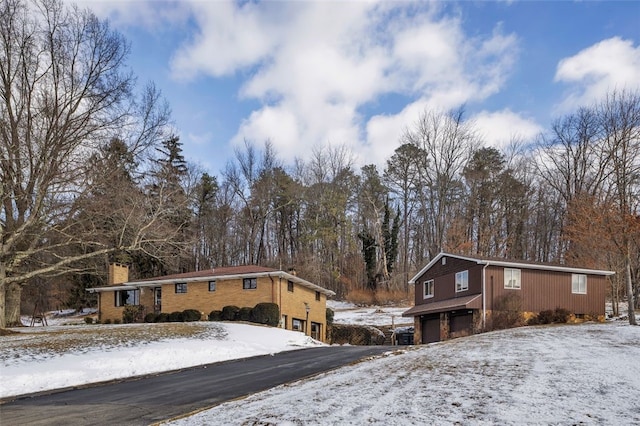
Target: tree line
point(93, 172)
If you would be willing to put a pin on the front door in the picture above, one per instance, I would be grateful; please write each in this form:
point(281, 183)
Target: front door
point(157, 300)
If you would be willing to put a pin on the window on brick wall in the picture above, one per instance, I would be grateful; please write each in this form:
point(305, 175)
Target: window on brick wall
point(249, 283)
point(212, 286)
point(317, 295)
point(290, 286)
point(181, 287)
point(127, 297)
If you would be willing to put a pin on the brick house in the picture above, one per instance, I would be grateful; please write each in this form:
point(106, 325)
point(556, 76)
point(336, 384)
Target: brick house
point(455, 295)
point(302, 304)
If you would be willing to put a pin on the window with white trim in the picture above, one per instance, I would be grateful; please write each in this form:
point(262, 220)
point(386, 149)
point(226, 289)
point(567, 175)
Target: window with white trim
point(462, 281)
point(512, 278)
point(578, 283)
point(127, 297)
point(428, 289)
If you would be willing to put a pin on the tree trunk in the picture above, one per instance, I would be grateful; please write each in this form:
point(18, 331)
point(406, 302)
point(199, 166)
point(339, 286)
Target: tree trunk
point(630, 302)
point(3, 275)
point(13, 293)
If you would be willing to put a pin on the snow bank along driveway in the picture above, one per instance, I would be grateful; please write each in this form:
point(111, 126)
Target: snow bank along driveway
point(580, 374)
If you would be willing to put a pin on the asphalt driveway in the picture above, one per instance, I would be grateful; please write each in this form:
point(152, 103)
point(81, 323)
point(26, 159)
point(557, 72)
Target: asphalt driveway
point(151, 399)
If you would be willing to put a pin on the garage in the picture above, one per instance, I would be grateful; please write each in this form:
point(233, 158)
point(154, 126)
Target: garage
point(431, 328)
point(461, 323)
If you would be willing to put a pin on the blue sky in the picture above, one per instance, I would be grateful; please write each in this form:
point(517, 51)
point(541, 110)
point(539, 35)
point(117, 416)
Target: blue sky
point(310, 74)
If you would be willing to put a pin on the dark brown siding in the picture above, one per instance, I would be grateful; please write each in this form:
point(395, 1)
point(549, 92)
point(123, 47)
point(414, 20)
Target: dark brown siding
point(542, 290)
point(444, 283)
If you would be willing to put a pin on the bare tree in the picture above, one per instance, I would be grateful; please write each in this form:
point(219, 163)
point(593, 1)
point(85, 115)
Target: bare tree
point(446, 141)
point(64, 88)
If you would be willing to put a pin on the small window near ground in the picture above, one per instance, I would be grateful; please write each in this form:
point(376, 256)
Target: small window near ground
point(296, 324)
point(428, 289)
point(212, 286)
point(290, 286)
point(181, 287)
point(512, 278)
point(462, 281)
point(250, 283)
point(318, 296)
point(579, 284)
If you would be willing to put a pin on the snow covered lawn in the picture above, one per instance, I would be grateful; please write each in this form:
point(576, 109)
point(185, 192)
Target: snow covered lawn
point(569, 374)
point(45, 358)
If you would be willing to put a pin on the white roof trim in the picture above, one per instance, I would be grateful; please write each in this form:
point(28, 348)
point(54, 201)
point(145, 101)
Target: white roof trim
point(131, 285)
point(508, 264)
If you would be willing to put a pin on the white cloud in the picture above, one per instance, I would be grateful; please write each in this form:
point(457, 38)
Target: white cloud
point(315, 67)
point(611, 64)
point(498, 129)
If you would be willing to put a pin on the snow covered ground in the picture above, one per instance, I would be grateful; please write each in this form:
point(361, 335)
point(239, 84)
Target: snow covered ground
point(571, 374)
point(562, 375)
point(44, 358)
point(348, 313)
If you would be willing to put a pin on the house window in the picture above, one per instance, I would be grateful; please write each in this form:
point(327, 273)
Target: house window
point(249, 283)
point(578, 283)
point(181, 287)
point(296, 324)
point(462, 281)
point(127, 297)
point(318, 296)
point(212, 286)
point(444, 260)
point(512, 278)
point(428, 289)
point(290, 286)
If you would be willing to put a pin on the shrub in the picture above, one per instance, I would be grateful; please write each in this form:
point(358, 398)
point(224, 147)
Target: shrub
point(117, 321)
point(162, 317)
point(151, 317)
point(107, 321)
point(176, 317)
point(244, 314)
point(266, 313)
point(330, 315)
point(545, 317)
point(132, 313)
point(561, 315)
point(230, 313)
point(355, 335)
point(507, 312)
point(215, 316)
point(88, 320)
point(190, 315)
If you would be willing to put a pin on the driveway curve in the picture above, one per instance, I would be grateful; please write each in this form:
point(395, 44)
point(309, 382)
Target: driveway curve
point(150, 399)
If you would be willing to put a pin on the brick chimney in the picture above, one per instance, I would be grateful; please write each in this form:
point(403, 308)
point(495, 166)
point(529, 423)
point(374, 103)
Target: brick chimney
point(117, 274)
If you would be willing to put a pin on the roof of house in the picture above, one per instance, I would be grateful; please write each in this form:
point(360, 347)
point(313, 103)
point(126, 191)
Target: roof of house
point(521, 264)
point(467, 302)
point(224, 273)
